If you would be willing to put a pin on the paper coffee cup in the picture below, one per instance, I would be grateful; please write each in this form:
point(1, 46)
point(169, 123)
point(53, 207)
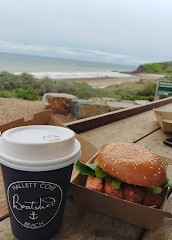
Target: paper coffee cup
point(37, 163)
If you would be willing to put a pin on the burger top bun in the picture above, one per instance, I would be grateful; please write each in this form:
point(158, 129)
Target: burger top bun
point(132, 164)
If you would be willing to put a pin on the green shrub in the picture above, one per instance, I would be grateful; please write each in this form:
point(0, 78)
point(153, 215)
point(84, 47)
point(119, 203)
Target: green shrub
point(141, 81)
point(46, 85)
point(9, 81)
point(136, 97)
point(27, 81)
point(28, 94)
point(149, 89)
point(6, 94)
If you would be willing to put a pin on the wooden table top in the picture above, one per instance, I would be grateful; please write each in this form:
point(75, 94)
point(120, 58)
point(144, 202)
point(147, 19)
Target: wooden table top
point(80, 224)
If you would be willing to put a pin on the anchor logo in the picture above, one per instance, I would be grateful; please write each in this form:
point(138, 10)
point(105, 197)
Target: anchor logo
point(33, 216)
point(38, 207)
point(51, 138)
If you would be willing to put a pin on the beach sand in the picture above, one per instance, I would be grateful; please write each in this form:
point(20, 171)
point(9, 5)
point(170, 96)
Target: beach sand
point(106, 82)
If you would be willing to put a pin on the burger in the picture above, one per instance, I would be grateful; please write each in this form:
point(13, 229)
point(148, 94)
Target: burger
point(127, 171)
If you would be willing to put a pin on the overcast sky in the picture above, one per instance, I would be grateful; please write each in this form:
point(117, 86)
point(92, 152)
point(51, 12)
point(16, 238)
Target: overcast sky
point(114, 31)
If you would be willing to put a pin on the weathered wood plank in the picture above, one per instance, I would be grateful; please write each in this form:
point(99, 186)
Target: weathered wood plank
point(130, 129)
point(155, 142)
point(103, 119)
point(5, 230)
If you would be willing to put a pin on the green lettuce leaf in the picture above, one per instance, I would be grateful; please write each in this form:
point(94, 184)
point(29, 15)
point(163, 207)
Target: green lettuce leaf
point(92, 165)
point(167, 183)
point(93, 169)
point(155, 190)
point(100, 173)
point(109, 178)
point(84, 169)
point(116, 183)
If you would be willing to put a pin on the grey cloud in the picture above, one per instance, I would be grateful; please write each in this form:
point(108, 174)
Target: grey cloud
point(128, 31)
point(65, 52)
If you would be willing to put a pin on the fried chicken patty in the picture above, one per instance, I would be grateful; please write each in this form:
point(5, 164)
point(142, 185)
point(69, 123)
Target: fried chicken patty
point(109, 189)
point(133, 193)
point(151, 199)
point(94, 183)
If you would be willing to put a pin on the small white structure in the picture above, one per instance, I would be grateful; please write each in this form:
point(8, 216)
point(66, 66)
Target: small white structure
point(48, 96)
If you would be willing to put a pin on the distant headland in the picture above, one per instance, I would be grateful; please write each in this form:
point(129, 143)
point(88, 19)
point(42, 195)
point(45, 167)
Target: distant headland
point(163, 68)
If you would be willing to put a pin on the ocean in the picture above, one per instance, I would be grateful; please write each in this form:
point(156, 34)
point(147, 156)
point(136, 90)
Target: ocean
point(57, 68)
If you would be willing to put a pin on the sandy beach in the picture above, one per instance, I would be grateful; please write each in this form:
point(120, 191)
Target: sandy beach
point(106, 82)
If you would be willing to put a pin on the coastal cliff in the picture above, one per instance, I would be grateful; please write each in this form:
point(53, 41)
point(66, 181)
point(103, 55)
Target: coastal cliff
point(155, 68)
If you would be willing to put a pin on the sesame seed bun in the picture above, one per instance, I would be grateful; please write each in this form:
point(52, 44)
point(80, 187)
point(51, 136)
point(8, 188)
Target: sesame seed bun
point(133, 164)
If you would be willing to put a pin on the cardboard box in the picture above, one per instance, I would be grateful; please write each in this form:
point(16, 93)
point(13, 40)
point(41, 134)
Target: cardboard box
point(136, 214)
point(165, 120)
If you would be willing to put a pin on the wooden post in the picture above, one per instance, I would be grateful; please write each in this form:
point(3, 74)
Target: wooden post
point(156, 92)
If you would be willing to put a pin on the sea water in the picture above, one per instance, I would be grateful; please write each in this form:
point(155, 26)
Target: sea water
point(58, 68)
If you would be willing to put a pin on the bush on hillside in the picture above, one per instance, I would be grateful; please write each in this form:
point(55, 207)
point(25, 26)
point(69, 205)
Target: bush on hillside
point(27, 81)
point(45, 85)
point(149, 90)
point(136, 97)
point(7, 94)
point(9, 81)
point(28, 94)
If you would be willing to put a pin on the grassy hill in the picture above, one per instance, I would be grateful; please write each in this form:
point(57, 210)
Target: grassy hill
point(164, 68)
